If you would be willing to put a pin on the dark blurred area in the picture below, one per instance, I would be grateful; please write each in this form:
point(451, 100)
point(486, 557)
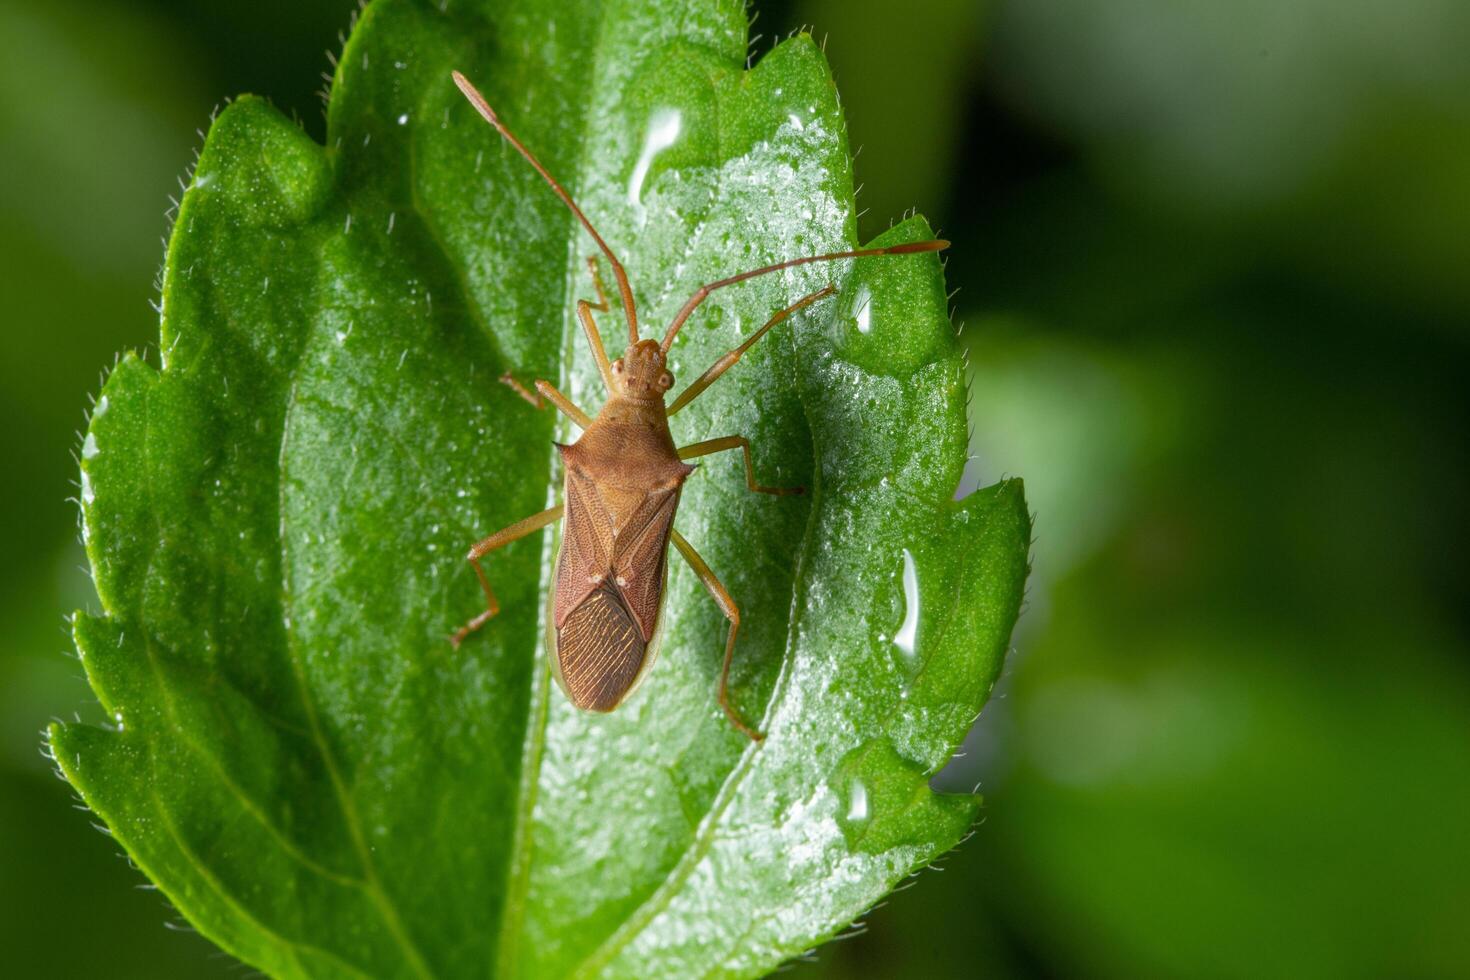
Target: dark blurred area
point(1214, 271)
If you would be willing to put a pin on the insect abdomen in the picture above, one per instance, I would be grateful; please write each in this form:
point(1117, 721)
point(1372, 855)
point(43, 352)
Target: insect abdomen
point(599, 651)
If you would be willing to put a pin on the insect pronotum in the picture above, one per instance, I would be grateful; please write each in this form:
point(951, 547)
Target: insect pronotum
point(623, 479)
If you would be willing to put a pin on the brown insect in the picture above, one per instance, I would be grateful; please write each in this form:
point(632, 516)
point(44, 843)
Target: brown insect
point(623, 479)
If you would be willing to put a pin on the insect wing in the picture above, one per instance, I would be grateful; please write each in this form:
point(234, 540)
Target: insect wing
point(641, 556)
point(610, 575)
point(618, 537)
point(599, 651)
point(586, 547)
point(570, 648)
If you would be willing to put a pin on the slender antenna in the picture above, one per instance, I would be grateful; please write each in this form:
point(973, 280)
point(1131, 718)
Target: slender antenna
point(933, 245)
point(478, 101)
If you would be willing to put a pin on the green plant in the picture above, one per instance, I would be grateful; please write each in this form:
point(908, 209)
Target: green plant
point(276, 520)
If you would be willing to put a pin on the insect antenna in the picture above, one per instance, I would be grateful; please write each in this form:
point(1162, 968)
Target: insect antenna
point(478, 101)
point(933, 245)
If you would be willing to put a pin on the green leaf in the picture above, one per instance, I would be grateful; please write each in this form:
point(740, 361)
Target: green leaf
point(277, 521)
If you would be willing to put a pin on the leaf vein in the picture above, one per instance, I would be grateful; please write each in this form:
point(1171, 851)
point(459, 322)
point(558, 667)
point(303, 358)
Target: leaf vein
point(218, 887)
point(381, 901)
point(247, 804)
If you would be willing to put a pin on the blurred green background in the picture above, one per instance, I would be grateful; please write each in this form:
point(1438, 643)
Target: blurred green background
point(1214, 266)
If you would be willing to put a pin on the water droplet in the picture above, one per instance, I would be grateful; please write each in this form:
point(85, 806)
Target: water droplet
point(908, 632)
point(663, 130)
point(857, 802)
point(864, 312)
point(403, 119)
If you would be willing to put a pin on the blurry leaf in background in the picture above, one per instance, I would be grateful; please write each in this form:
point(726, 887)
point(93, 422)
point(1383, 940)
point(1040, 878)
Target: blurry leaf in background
point(1089, 416)
point(904, 117)
point(95, 126)
point(276, 519)
point(278, 49)
point(1225, 760)
point(80, 249)
point(110, 91)
point(1212, 802)
point(82, 227)
point(1232, 743)
point(1335, 132)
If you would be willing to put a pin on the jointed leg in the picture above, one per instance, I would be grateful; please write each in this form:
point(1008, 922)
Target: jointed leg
point(499, 539)
point(732, 613)
point(563, 403)
point(545, 392)
point(728, 360)
point(601, 306)
point(594, 340)
point(589, 325)
point(703, 292)
point(509, 380)
point(731, 442)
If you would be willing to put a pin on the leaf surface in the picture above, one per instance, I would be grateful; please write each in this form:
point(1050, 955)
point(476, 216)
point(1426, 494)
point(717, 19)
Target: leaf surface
point(277, 520)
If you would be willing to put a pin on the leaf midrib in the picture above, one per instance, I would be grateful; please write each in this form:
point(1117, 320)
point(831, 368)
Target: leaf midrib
point(519, 867)
point(636, 922)
point(704, 836)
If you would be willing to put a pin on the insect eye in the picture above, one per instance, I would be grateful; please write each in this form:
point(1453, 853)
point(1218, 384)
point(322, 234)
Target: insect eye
point(666, 380)
point(617, 366)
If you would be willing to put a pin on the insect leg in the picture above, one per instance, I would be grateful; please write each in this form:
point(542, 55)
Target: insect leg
point(544, 393)
point(728, 360)
point(732, 442)
point(589, 325)
point(599, 354)
point(702, 293)
point(594, 340)
point(562, 402)
point(531, 397)
point(601, 306)
point(499, 539)
point(732, 613)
